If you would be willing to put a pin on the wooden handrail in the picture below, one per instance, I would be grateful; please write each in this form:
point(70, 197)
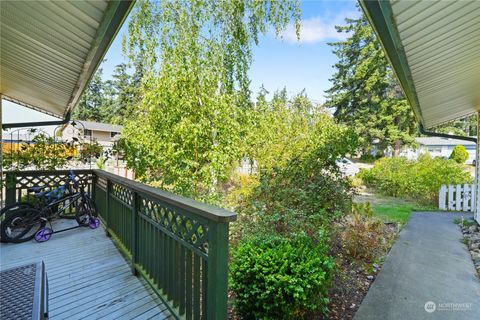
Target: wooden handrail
point(205, 210)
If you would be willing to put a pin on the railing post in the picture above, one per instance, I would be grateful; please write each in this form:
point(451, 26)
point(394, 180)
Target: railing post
point(217, 270)
point(10, 188)
point(94, 187)
point(134, 231)
point(107, 207)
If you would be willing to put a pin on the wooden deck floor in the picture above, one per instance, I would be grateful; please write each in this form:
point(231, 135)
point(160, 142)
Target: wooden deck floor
point(88, 277)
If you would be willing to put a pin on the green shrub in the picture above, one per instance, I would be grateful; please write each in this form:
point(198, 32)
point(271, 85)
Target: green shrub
point(363, 237)
point(420, 180)
point(277, 277)
point(369, 158)
point(459, 154)
point(311, 183)
point(292, 201)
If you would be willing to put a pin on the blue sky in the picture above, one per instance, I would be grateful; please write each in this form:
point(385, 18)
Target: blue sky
point(305, 64)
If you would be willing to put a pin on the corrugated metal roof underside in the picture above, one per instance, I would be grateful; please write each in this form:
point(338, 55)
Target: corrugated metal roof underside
point(46, 50)
point(441, 40)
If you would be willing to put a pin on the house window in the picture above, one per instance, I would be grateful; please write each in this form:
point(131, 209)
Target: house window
point(88, 132)
point(113, 134)
point(434, 149)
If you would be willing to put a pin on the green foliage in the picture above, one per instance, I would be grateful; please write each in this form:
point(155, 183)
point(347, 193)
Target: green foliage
point(459, 154)
point(393, 213)
point(41, 152)
point(187, 132)
point(100, 162)
point(463, 127)
point(363, 237)
point(281, 268)
point(280, 278)
point(281, 128)
point(420, 179)
point(365, 94)
point(92, 105)
point(216, 36)
point(30, 199)
point(464, 223)
point(309, 191)
point(88, 151)
point(363, 209)
point(111, 101)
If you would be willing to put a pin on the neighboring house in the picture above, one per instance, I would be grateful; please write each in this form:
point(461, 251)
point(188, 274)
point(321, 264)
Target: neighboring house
point(103, 133)
point(439, 147)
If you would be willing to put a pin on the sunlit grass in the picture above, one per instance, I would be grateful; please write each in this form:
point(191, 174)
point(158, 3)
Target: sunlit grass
point(398, 212)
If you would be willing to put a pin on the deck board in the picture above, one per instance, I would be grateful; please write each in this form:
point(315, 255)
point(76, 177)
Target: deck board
point(88, 277)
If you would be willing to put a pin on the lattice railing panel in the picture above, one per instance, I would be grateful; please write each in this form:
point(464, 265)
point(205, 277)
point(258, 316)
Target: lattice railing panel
point(24, 180)
point(190, 230)
point(123, 194)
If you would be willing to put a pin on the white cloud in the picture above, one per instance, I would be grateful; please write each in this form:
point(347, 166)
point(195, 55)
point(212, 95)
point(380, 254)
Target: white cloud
point(317, 29)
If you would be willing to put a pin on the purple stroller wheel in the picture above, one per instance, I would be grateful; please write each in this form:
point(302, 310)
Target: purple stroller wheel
point(94, 223)
point(43, 235)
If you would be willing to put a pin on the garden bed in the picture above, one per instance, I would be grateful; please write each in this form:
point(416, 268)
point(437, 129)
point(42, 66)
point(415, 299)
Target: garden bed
point(354, 277)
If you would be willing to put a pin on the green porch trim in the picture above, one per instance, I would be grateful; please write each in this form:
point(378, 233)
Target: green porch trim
point(111, 23)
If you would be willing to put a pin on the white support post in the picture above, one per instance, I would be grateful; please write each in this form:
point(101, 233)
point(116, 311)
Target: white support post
point(473, 197)
point(476, 214)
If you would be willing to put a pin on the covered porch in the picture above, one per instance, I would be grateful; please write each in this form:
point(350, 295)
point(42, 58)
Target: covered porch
point(157, 255)
point(176, 247)
point(433, 49)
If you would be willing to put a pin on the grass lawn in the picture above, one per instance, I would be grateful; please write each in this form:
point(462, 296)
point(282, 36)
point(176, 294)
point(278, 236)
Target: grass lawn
point(393, 213)
point(391, 209)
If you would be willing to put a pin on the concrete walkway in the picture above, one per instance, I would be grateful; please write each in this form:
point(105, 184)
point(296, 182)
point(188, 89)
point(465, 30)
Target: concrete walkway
point(429, 268)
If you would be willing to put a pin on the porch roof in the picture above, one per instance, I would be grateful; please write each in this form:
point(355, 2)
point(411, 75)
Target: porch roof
point(50, 49)
point(435, 53)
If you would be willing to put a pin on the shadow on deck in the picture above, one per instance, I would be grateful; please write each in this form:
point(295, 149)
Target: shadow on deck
point(88, 277)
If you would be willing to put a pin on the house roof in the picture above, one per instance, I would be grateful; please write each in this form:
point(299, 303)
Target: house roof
point(434, 48)
point(98, 126)
point(437, 141)
point(50, 49)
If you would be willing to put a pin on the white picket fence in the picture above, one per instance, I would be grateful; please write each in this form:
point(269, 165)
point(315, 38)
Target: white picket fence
point(457, 197)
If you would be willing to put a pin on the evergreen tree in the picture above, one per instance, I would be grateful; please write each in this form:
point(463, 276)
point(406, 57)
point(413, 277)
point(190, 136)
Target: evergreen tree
point(125, 92)
point(463, 127)
point(365, 94)
point(110, 101)
point(92, 104)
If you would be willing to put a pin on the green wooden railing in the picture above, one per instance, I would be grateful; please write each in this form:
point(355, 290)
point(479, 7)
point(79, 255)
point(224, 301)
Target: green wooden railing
point(17, 182)
point(180, 246)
